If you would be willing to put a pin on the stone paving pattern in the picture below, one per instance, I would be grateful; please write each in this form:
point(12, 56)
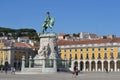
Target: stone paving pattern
point(62, 76)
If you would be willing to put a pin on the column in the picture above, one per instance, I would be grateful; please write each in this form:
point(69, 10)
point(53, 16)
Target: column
point(96, 66)
point(84, 66)
point(108, 66)
point(23, 63)
point(102, 64)
point(90, 66)
point(65, 62)
point(3, 55)
point(72, 65)
point(30, 59)
point(43, 66)
point(43, 63)
point(115, 67)
point(78, 65)
point(55, 65)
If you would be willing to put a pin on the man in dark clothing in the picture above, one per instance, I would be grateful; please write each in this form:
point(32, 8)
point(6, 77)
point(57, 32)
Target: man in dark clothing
point(6, 67)
point(74, 71)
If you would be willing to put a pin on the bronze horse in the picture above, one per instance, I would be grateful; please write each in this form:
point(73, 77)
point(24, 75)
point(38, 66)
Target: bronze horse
point(48, 23)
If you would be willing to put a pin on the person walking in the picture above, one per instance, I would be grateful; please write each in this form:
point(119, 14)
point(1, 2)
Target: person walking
point(6, 70)
point(6, 67)
point(75, 71)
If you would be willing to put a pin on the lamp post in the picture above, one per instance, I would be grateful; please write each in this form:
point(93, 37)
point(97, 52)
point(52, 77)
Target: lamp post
point(70, 61)
point(65, 61)
point(66, 64)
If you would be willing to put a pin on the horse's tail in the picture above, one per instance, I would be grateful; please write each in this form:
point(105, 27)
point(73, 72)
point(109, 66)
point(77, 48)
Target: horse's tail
point(52, 22)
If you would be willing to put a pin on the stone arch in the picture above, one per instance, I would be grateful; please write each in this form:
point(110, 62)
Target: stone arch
point(99, 65)
point(93, 66)
point(87, 65)
point(118, 65)
point(81, 65)
point(76, 63)
point(112, 63)
point(105, 65)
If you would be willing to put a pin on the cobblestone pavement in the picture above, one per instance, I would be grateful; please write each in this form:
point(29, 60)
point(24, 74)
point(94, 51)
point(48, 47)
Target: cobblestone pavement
point(62, 76)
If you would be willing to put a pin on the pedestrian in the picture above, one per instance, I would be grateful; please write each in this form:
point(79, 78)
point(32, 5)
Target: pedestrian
point(6, 67)
point(12, 70)
point(107, 70)
point(1, 68)
point(74, 71)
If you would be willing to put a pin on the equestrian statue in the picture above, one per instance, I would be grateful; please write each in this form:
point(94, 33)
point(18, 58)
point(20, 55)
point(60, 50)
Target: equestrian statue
point(48, 23)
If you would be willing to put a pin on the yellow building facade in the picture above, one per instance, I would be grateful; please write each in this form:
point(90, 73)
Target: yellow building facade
point(12, 52)
point(98, 56)
point(4, 54)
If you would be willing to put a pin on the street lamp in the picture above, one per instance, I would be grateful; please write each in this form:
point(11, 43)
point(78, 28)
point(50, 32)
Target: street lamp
point(65, 61)
point(70, 61)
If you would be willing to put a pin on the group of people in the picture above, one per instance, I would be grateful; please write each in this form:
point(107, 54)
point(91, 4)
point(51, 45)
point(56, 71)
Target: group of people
point(6, 68)
point(75, 71)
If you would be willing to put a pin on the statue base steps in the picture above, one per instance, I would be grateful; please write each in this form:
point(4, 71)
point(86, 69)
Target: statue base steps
point(30, 71)
point(37, 71)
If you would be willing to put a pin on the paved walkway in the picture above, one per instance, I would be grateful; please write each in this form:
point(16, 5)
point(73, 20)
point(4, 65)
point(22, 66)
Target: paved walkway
point(62, 76)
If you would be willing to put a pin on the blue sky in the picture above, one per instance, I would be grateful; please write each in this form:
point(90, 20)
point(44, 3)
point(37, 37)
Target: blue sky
point(101, 17)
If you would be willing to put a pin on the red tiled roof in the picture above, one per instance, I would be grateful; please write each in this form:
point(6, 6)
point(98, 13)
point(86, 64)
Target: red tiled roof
point(108, 40)
point(18, 44)
point(93, 35)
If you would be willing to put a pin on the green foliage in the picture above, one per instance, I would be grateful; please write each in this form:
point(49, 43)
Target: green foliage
point(15, 33)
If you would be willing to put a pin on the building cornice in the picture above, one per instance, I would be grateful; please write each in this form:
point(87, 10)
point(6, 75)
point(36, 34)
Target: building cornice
point(91, 45)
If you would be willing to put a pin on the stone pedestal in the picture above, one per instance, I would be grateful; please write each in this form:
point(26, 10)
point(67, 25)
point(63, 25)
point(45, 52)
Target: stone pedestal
point(47, 50)
point(47, 56)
